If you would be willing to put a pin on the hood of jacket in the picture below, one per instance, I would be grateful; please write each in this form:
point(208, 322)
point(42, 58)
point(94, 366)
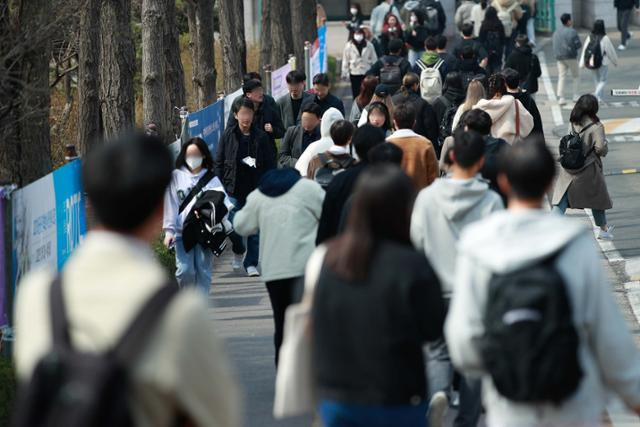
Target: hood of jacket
point(329, 117)
point(506, 3)
point(524, 50)
point(454, 94)
point(509, 240)
point(456, 198)
point(276, 182)
point(430, 58)
point(496, 107)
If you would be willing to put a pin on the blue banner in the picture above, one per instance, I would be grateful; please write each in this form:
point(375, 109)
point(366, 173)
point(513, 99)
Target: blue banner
point(208, 124)
point(70, 209)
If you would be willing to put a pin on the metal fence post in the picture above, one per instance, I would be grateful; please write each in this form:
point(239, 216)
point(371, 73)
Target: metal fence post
point(307, 64)
point(267, 77)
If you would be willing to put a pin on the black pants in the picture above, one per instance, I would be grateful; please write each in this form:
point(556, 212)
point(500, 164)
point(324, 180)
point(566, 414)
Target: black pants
point(281, 294)
point(356, 81)
point(624, 16)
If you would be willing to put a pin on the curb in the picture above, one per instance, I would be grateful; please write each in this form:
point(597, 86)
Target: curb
point(622, 172)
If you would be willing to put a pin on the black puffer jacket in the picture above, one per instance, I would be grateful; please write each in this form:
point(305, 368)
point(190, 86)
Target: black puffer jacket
point(523, 60)
point(226, 164)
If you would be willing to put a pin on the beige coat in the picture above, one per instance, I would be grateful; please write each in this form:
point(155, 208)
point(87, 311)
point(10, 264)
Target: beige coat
point(587, 187)
point(183, 366)
point(357, 63)
point(503, 115)
point(419, 160)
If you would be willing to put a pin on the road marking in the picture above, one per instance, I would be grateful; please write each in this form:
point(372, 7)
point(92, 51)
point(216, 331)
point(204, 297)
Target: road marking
point(625, 138)
point(548, 88)
point(621, 126)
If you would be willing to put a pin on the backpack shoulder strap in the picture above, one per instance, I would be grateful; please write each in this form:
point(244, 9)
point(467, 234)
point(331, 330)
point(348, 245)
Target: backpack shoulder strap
point(135, 336)
point(438, 64)
point(59, 320)
point(421, 64)
point(195, 190)
point(324, 159)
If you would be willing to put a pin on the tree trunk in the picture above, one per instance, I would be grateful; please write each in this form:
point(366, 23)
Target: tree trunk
point(303, 27)
point(281, 36)
point(200, 15)
point(234, 48)
point(88, 70)
point(174, 72)
point(154, 103)
point(265, 36)
point(117, 67)
point(33, 127)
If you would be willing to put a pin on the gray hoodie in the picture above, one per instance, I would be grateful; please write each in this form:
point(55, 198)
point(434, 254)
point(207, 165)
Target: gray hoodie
point(440, 213)
point(510, 240)
point(566, 43)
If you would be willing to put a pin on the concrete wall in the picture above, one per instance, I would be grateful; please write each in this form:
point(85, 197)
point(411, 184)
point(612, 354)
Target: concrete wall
point(598, 9)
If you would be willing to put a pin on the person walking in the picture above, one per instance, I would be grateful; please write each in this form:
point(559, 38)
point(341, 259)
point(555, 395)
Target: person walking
point(194, 175)
point(561, 256)
point(298, 138)
point(367, 89)
point(379, 13)
point(415, 36)
point(463, 14)
point(292, 104)
point(509, 13)
point(329, 117)
point(419, 160)
point(244, 155)
point(391, 30)
point(526, 63)
point(566, 46)
point(511, 121)
point(493, 39)
point(426, 121)
point(586, 187)
point(477, 16)
point(369, 322)
point(337, 157)
point(358, 57)
point(380, 95)
point(391, 68)
point(357, 19)
point(475, 92)
point(378, 115)
point(526, 25)
point(340, 189)
point(597, 54)
point(435, 17)
point(469, 40)
point(284, 209)
point(512, 80)
point(178, 368)
point(451, 63)
point(442, 211)
point(623, 17)
point(452, 96)
point(323, 96)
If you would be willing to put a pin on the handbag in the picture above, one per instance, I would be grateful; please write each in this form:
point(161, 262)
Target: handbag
point(518, 137)
point(294, 391)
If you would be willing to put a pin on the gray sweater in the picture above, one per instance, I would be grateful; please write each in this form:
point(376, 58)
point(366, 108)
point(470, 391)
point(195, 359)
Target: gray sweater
point(566, 43)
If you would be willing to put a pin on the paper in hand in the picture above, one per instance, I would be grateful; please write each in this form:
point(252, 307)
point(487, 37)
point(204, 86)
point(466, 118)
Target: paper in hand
point(249, 161)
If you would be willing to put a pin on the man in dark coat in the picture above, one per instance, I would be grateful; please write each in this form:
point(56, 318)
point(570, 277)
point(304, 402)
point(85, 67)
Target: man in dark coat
point(323, 97)
point(299, 137)
point(526, 63)
point(292, 104)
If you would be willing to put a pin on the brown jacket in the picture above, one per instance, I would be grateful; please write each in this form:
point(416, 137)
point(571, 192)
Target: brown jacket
point(418, 157)
point(586, 186)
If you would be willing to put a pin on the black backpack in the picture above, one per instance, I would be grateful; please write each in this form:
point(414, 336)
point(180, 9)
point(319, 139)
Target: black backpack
point(330, 168)
point(493, 44)
point(593, 53)
point(391, 74)
point(70, 388)
point(446, 126)
point(572, 150)
point(530, 345)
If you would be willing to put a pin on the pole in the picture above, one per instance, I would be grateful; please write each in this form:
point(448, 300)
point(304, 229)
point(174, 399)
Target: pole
point(307, 64)
point(267, 78)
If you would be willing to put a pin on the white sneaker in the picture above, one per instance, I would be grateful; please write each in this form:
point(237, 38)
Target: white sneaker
point(252, 271)
point(561, 101)
point(237, 261)
point(622, 47)
point(606, 235)
point(438, 407)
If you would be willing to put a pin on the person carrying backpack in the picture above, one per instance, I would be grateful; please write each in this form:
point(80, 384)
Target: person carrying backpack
point(431, 69)
point(113, 325)
point(390, 69)
point(597, 54)
point(446, 106)
point(581, 182)
point(538, 321)
point(326, 165)
point(493, 39)
point(526, 63)
point(435, 18)
point(509, 13)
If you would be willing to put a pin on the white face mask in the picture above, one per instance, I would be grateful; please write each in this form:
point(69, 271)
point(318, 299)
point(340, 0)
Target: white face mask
point(194, 162)
point(413, 20)
point(358, 37)
point(354, 11)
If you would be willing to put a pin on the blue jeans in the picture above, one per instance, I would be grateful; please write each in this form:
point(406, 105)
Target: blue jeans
point(599, 217)
point(194, 268)
point(414, 55)
point(336, 414)
point(238, 245)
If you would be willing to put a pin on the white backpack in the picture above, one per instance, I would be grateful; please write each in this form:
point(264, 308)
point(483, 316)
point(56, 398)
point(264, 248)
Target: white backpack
point(505, 16)
point(430, 80)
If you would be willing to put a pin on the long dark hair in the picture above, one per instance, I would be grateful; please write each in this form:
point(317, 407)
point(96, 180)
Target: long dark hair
point(380, 106)
point(382, 204)
point(598, 28)
point(367, 88)
point(587, 106)
point(491, 21)
point(207, 161)
point(497, 84)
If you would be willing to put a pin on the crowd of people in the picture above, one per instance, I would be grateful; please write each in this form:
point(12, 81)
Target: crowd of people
point(432, 217)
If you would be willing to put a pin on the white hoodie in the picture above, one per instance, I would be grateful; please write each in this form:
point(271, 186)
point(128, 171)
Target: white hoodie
point(441, 212)
point(503, 116)
point(325, 142)
point(507, 241)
